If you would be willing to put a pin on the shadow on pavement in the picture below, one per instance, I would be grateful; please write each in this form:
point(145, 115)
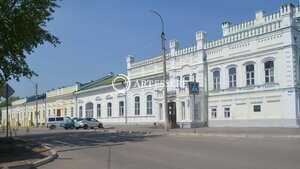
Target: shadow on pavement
point(72, 140)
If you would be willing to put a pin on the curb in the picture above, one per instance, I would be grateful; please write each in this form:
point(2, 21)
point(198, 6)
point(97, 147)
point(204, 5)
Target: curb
point(48, 159)
point(208, 134)
point(30, 165)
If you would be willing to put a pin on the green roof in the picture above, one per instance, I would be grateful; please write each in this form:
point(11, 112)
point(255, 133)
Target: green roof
point(106, 80)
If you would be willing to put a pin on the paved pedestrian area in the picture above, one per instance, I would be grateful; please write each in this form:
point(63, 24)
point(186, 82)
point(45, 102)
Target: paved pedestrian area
point(94, 149)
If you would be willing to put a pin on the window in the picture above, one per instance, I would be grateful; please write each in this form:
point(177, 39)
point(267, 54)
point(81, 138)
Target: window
point(53, 111)
point(216, 80)
point(178, 81)
point(196, 112)
point(66, 113)
point(149, 104)
point(186, 79)
point(89, 109)
point(109, 109)
point(160, 111)
point(72, 111)
point(80, 111)
point(227, 112)
point(183, 110)
point(137, 105)
point(194, 77)
point(232, 77)
point(213, 113)
point(121, 108)
point(59, 119)
point(98, 110)
point(49, 112)
point(256, 108)
point(250, 74)
point(51, 119)
point(269, 72)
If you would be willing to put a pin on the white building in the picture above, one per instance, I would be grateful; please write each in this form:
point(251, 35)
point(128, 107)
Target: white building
point(253, 71)
point(249, 77)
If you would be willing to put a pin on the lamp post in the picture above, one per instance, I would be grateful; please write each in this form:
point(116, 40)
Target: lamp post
point(36, 102)
point(164, 69)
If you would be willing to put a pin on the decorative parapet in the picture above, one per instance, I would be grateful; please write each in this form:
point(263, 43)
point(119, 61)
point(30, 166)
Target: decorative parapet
point(266, 28)
point(232, 29)
point(61, 91)
point(186, 50)
point(18, 102)
point(149, 61)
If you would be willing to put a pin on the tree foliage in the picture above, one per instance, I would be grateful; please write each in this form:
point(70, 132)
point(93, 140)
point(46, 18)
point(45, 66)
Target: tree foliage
point(22, 29)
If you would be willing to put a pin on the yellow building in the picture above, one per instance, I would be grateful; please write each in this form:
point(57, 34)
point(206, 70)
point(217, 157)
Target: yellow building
point(62, 101)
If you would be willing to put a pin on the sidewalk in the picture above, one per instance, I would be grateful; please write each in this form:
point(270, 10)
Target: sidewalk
point(247, 132)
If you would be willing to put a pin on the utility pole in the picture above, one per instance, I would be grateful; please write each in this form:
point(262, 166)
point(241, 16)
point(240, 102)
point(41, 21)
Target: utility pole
point(36, 104)
point(7, 118)
point(164, 71)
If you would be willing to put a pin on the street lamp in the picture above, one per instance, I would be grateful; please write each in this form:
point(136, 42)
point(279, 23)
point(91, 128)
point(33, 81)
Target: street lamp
point(164, 68)
point(36, 102)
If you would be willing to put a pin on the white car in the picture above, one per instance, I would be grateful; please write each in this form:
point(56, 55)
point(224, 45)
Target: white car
point(86, 123)
point(55, 122)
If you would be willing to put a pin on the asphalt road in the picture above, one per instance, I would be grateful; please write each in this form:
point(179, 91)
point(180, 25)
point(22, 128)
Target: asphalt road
point(95, 150)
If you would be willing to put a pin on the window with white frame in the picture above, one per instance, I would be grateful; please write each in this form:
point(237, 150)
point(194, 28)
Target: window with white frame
point(186, 79)
point(194, 76)
point(183, 110)
point(49, 112)
point(98, 110)
point(178, 81)
point(227, 112)
point(72, 111)
point(269, 71)
point(89, 109)
point(137, 105)
point(53, 111)
point(250, 74)
point(149, 104)
point(214, 113)
point(121, 108)
point(232, 77)
point(109, 106)
point(80, 111)
point(216, 79)
point(66, 112)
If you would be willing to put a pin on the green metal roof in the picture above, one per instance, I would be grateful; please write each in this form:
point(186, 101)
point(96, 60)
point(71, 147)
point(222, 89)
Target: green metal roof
point(106, 80)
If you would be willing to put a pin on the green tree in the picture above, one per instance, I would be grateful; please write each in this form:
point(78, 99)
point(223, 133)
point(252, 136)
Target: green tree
point(22, 29)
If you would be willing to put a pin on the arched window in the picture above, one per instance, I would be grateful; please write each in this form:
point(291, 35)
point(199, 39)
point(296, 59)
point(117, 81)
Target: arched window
point(194, 76)
point(149, 104)
point(89, 109)
point(98, 110)
point(137, 105)
point(250, 74)
point(80, 111)
point(216, 79)
point(178, 81)
point(109, 109)
point(72, 111)
point(121, 108)
point(232, 77)
point(186, 79)
point(269, 72)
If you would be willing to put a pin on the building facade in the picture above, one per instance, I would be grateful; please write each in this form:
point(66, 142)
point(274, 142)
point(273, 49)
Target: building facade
point(250, 77)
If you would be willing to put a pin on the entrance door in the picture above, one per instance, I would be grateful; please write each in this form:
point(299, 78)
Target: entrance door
point(172, 114)
point(58, 113)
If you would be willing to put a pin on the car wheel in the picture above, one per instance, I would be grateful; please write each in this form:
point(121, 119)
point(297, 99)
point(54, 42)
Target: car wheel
point(85, 127)
point(77, 128)
point(52, 127)
point(100, 126)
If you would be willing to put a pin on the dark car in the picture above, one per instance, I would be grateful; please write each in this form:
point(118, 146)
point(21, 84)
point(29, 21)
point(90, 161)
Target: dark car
point(69, 124)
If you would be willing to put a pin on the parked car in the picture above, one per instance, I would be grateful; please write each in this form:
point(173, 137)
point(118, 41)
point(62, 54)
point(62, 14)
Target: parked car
point(69, 123)
point(55, 122)
point(86, 123)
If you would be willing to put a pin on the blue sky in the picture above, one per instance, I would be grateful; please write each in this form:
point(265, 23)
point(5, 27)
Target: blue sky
point(97, 35)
